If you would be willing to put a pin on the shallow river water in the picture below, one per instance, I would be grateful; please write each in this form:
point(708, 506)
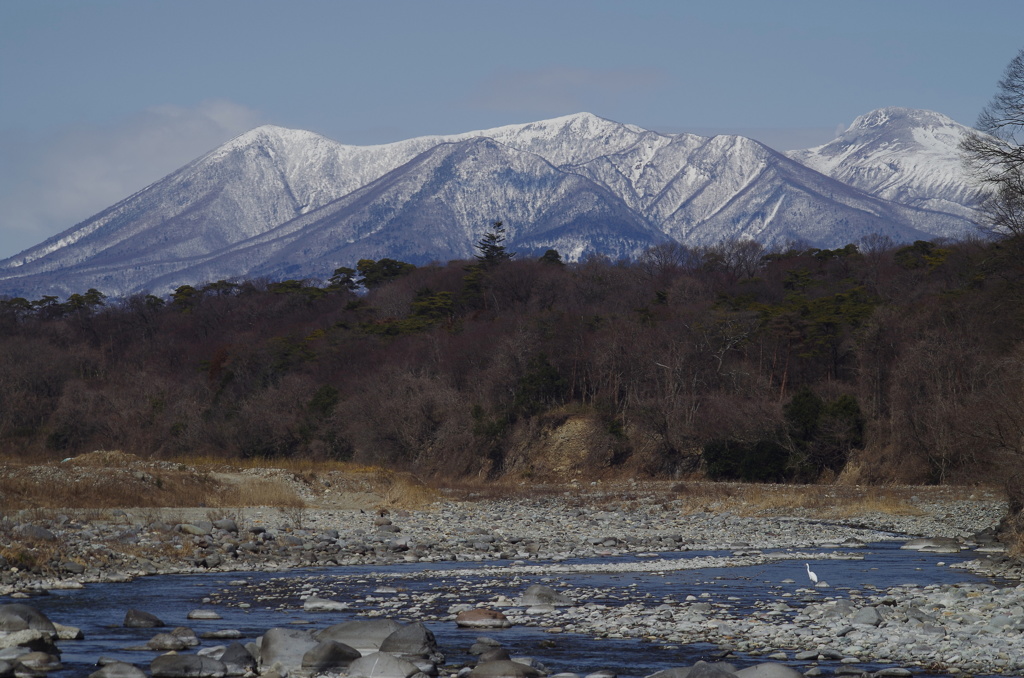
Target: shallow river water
point(275, 599)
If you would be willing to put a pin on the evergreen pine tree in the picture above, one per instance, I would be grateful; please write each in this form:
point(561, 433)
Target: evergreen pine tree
point(492, 248)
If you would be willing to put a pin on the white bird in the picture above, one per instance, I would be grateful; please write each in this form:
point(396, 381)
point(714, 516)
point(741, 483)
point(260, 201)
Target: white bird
point(810, 574)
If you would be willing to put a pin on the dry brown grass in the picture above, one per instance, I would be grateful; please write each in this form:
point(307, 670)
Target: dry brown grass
point(113, 479)
point(825, 501)
point(51, 487)
point(297, 466)
point(749, 499)
point(30, 554)
point(258, 492)
point(105, 480)
point(402, 490)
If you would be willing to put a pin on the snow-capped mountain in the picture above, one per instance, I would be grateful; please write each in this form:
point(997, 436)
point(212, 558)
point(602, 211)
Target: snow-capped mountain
point(286, 203)
point(904, 155)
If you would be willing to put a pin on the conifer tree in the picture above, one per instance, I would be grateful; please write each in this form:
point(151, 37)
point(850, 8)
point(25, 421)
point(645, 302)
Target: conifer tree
point(492, 247)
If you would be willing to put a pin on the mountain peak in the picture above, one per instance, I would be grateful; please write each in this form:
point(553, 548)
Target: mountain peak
point(907, 155)
point(272, 136)
point(893, 119)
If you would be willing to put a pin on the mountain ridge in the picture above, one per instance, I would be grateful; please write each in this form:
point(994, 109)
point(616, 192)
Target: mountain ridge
point(580, 183)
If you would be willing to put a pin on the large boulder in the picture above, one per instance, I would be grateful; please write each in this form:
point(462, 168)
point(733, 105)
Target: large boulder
point(284, 648)
point(35, 533)
point(382, 665)
point(18, 617)
point(867, 616)
point(699, 670)
point(187, 666)
point(238, 660)
point(329, 654)
point(414, 640)
point(365, 635)
point(538, 594)
point(199, 529)
point(137, 619)
point(226, 524)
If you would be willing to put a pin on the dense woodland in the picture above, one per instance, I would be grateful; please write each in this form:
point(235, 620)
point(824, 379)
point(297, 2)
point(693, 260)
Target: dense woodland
point(873, 363)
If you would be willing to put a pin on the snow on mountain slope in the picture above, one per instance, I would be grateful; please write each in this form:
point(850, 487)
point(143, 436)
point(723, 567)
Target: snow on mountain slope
point(435, 208)
point(243, 188)
point(904, 155)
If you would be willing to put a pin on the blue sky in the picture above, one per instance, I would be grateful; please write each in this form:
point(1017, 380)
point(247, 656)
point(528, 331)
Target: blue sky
point(98, 99)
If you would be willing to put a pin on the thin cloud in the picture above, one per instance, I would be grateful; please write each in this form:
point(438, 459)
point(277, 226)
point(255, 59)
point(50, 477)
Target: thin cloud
point(562, 89)
point(49, 186)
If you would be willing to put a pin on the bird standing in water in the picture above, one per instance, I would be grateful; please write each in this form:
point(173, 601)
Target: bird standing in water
point(814, 577)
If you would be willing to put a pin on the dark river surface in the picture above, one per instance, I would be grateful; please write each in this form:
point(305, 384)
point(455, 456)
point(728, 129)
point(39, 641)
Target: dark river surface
point(99, 609)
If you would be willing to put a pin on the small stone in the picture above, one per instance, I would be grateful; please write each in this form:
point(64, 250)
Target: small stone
point(317, 604)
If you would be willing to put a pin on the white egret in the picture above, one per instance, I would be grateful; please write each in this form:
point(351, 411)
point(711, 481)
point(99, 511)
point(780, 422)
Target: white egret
point(814, 577)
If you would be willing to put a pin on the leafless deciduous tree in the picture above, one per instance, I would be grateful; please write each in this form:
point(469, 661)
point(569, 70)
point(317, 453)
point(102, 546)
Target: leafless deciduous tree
point(995, 153)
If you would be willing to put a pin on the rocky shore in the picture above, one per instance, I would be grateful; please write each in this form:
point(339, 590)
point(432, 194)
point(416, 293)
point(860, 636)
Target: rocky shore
point(971, 629)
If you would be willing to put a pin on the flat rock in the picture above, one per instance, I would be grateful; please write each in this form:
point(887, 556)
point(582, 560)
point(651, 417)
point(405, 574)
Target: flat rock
point(224, 634)
point(203, 614)
point(504, 669)
point(199, 530)
point(482, 618)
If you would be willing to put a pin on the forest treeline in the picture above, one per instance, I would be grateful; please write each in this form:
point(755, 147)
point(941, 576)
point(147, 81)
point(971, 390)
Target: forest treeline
point(885, 363)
